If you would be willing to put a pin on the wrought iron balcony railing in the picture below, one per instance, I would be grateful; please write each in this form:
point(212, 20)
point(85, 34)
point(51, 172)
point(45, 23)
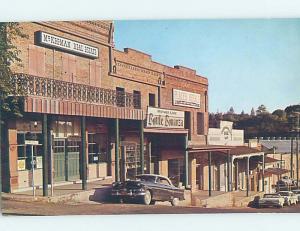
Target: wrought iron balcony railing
point(57, 89)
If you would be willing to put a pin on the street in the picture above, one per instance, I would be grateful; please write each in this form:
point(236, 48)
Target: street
point(10, 207)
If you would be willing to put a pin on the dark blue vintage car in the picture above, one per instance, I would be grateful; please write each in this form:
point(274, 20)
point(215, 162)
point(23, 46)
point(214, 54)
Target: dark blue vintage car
point(147, 188)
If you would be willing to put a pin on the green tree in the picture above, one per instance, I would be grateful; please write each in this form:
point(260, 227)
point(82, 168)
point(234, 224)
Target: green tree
point(292, 108)
point(252, 112)
point(280, 114)
point(9, 31)
point(262, 109)
point(9, 54)
point(231, 110)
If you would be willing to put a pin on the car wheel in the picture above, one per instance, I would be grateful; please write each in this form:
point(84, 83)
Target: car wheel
point(152, 202)
point(147, 198)
point(117, 200)
point(175, 201)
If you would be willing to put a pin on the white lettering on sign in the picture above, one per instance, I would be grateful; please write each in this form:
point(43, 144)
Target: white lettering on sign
point(186, 99)
point(164, 118)
point(67, 44)
point(31, 142)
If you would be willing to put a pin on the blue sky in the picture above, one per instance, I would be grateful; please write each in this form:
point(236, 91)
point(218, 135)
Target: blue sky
point(247, 62)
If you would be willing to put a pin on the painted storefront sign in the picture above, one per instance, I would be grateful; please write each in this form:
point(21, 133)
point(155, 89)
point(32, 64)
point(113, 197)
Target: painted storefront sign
point(50, 40)
point(164, 118)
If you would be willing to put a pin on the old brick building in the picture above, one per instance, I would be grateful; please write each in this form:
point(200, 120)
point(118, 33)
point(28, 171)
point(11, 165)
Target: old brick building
point(89, 107)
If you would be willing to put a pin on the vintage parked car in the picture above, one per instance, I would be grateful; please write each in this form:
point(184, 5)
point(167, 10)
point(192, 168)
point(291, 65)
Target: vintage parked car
point(271, 200)
point(289, 197)
point(297, 193)
point(147, 188)
point(287, 180)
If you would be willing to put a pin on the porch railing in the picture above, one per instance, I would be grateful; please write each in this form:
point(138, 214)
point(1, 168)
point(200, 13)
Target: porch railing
point(56, 89)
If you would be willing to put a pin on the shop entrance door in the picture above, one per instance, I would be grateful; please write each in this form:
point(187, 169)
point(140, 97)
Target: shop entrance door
point(72, 158)
point(59, 159)
point(66, 158)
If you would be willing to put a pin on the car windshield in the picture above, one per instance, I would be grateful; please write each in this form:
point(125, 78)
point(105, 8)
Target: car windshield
point(284, 193)
point(271, 196)
point(146, 178)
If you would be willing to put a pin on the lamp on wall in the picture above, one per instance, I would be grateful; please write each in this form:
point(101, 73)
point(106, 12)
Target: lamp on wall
point(159, 80)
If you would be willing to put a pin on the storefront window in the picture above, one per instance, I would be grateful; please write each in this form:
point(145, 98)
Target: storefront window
point(97, 148)
point(24, 161)
point(176, 171)
point(65, 128)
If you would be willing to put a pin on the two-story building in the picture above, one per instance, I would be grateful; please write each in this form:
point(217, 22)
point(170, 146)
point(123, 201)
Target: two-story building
point(91, 111)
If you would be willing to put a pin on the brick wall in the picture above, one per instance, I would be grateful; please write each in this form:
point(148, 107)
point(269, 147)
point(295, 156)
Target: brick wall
point(129, 69)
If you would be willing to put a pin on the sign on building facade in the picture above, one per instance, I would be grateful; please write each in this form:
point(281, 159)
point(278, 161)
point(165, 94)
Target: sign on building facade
point(186, 99)
point(46, 39)
point(164, 118)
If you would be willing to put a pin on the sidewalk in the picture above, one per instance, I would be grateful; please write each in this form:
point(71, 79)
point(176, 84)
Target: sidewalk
point(220, 199)
point(96, 190)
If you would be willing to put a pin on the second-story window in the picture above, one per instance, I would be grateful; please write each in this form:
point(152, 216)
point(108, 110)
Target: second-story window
point(151, 100)
point(205, 102)
point(137, 99)
point(200, 123)
point(187, 123)
point(120, 97)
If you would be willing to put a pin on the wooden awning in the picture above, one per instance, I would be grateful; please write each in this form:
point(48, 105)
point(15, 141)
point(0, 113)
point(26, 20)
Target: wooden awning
point(208, 148)
point(270, 160)
point(275, 171)
point(165, 131)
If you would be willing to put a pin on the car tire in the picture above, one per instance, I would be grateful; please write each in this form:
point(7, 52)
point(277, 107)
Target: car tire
point(117, 200)
point(147, 198)
point(152, 202)
point(175, 201)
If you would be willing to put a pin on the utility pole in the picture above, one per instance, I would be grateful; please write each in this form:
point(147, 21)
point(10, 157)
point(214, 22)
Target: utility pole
point(297, 149)
point(0, 147)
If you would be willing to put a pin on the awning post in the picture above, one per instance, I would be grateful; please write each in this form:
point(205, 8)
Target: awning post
point(209, 173)
point(247, 180)
point(186, 162)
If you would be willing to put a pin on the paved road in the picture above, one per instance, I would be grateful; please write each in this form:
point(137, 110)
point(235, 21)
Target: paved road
point(92, 208)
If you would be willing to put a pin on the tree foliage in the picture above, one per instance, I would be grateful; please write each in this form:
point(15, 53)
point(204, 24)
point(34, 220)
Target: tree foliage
point(9, 54)
point(262, 109)
point(279, 123)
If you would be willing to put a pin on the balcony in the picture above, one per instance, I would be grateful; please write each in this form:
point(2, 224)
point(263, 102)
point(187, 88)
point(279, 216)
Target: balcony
point(28, 85)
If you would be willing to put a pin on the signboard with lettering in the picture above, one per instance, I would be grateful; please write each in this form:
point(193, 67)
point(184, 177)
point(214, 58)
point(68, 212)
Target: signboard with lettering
point(49, 40)
point(164, 118)
point(21, 165)
point(186, 99)
point(31, 142)
point(39, 162)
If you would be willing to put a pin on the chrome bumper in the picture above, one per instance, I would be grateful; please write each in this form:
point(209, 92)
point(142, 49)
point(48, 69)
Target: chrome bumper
point(127, 193)
point(268, 203)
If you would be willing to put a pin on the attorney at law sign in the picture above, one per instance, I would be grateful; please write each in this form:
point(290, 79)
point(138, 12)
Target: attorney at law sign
point(186, 99)
point(164, 118)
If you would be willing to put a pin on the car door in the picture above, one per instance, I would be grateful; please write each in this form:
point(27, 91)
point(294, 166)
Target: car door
point(165, 188)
